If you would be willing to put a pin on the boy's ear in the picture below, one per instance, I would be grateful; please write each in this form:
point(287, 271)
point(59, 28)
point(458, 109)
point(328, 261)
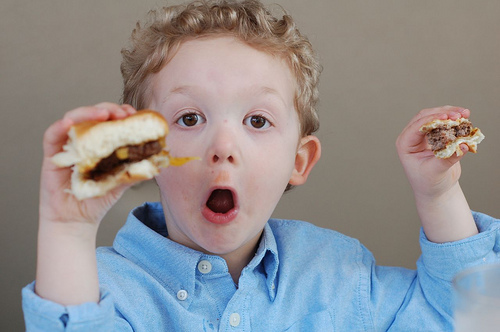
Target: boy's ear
point(307, 156)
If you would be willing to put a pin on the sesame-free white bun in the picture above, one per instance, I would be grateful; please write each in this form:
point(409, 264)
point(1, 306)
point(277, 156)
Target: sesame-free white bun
point(475, 137)
point(91, 142)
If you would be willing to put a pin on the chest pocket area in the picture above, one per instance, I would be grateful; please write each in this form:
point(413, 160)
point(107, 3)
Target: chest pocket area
point(321, 321)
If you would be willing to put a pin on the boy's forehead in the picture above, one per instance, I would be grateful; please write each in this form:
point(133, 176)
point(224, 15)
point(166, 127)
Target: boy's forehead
point(225, 63)
point(248, 54)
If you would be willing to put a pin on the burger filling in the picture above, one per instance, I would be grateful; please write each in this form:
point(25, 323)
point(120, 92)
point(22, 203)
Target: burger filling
point(439, 138)
point(122, 156)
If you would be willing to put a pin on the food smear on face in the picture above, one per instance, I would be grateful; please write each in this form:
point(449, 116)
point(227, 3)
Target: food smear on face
point(179, 161)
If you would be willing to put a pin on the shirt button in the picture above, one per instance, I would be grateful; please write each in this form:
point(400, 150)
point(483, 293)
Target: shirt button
point(234, 319)
point(204, 266)
point(182, 295)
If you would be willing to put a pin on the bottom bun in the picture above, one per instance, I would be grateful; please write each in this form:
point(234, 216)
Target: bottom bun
point(472, 141)
point(145, 169)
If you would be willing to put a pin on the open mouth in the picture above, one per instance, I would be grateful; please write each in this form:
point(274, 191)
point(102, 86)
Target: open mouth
point(221, 201)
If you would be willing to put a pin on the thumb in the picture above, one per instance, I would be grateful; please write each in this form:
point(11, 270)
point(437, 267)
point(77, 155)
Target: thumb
point(455, 158)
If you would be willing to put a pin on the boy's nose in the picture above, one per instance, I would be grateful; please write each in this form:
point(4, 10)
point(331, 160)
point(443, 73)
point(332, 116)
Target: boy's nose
point(223, 147)
point(216, 158)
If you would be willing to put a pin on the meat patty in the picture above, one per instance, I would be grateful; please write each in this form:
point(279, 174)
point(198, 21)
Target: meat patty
point(438, 138)
point(132, 153)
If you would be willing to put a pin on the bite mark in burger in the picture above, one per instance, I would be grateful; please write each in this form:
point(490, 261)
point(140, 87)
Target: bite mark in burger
point(445, 136)
point(106, 154)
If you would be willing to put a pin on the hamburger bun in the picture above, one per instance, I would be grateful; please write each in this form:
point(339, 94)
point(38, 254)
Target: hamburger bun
point(106, 154)
point(445, 136)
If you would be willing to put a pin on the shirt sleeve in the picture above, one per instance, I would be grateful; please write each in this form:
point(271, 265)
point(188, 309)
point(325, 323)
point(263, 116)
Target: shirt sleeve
point(405, 300)
point(445, 260)
point(43, 315)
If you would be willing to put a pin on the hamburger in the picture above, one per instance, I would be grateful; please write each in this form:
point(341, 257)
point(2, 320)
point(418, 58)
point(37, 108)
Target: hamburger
point(106, 154)
point(445, 136)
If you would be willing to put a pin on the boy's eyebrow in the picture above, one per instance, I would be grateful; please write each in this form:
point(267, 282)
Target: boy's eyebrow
point(259, 90)
point(265, 90)
point(183, 90)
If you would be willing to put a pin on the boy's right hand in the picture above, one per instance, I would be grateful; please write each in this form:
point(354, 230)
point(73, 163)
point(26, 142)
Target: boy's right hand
point(56, 204)
point(66, 263)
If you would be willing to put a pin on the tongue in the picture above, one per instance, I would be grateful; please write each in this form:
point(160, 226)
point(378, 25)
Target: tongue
point(221, 201)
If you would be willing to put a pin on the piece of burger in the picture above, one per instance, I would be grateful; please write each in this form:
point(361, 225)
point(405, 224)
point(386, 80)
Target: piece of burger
point(107, 154)
point(445, 136)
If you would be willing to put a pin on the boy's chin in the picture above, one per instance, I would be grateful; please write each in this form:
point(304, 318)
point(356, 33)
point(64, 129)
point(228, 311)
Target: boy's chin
point(221, 249)
point(230, 246)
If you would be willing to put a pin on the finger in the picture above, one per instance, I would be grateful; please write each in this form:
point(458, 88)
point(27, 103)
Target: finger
point(129, 109)
point(412, 137)
point(116, 111)
point(440, 113)
point(461, 113)
point(87, 113)
point(465, 113)
point(446, 164)
point(99, 112)
point(449, 110)
point(56, 136)
point(456, 157)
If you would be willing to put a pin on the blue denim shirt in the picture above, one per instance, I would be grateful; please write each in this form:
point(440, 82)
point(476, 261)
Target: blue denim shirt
point(302, 278)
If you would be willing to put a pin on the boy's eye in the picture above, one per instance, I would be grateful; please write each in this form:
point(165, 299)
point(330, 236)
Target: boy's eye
point(257, 121)
point(190, 119)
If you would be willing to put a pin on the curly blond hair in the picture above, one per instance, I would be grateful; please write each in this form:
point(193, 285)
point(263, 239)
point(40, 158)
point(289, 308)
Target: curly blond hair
point(154, 43)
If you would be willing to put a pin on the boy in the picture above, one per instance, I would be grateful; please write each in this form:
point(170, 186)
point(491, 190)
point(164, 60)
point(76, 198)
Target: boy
point(238, 88)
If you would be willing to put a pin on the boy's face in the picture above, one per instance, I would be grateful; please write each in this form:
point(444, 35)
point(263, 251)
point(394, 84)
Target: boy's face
point(232, 106)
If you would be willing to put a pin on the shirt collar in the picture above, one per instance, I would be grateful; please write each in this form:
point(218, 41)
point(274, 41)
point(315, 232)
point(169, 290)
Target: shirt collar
point(143, 240)
point(266, 258)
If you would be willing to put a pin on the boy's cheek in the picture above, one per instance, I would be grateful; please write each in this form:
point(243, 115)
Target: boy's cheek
point(181, 142)
point(169, 178)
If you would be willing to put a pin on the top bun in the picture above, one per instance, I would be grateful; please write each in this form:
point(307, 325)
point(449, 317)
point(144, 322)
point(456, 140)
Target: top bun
point(89, 142)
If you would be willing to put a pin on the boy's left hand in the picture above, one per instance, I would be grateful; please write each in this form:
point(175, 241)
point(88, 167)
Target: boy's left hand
point(429, 176)
point(441, 204)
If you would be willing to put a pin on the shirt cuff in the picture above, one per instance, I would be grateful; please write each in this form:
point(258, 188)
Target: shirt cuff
point(445, 260)
point(44, 315)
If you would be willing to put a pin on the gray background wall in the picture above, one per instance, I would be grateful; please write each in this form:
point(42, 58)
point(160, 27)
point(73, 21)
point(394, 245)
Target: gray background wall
point(383, 62)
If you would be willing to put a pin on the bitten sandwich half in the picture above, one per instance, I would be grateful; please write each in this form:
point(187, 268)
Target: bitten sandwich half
point(106, 154)
point(445, 136)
